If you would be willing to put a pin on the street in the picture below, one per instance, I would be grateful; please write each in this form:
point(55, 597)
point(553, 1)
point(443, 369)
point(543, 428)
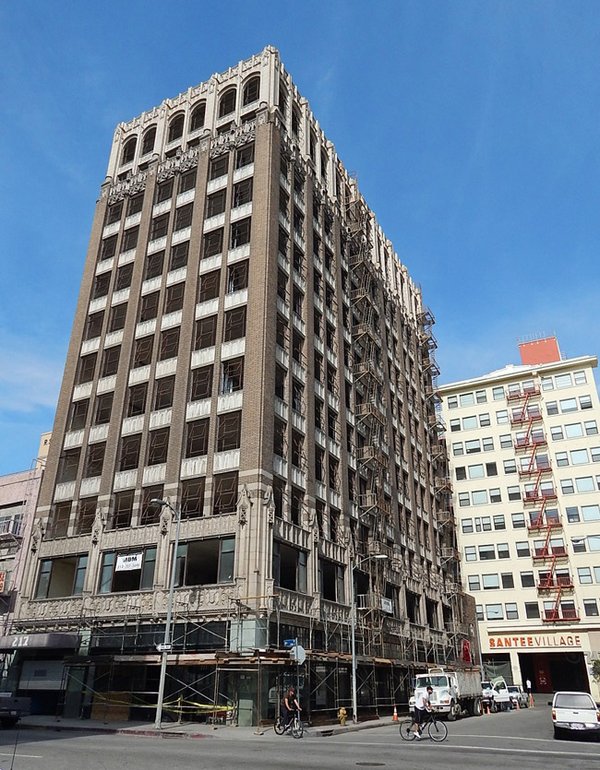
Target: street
point(519, 739)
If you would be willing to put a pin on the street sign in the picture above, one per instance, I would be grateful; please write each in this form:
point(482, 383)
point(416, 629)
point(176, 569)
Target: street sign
point(289, 642)
point(298, 653)
point(164, 647)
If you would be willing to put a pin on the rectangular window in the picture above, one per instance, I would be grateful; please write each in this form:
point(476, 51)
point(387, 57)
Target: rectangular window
point(127, 571)
point(130, 452)
point(183, 217)
point(169, 344)
point(196, 443)
point(130, 238)
point(206, 332)
point(235, 324)
point(154, 265)
point(67, 466)
point(289, 567)
point(237, 276)
point(242, 192)
point(110, 361)
point(192, 498)
point(205, 562)
point(179, 255)
point(225, 492)
point(209, 286)
point(218, 166)
point(213, 243)
point(78, 414)
point(490, 581)
point(512, 613)
point(498, 393)
point(108, 248)
point(240, 233)
point(508, 580)
point(494, 612)
point(158, 445)
point(229, 431)
point(201, 383)
point(142, 355)
point(232, 376)
point(487, 552)
point(94, 460)
point(59, 577)
point(474, 583)
point(467, 526)
point(164, 191)
point(93, 327)
point(136, 399)
point(532, 610)
point(174, 297)
point(522, 547)
point(163, 392)
point(122, 510)
point(103, 408)
point(124, 277)
point(149, 306)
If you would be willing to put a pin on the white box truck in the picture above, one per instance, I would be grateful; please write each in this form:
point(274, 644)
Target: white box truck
point(455, 690)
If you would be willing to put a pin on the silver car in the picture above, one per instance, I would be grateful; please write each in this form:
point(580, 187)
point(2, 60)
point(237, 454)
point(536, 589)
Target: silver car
point(517, 696)
point(575, 713)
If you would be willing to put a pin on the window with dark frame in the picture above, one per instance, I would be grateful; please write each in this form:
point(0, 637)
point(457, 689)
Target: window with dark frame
point(240, 233)
point(251, 90)
point(242, 192)
point(85, 515)
point(183, 217)
point(103, 408)
point(67, 466)
point(206, 332)
point(164, 191)
point(150, 512)
point(164, 390)
point(229, 431)
point(118, 313)
point(232, 377)
point(135, 204)
point(174, 297)
point(169, 344)
point(136, 399)
point(129, 455)
point(215, 203)
point(124, 277)
point(142, 354)
point(198, 116)
point(78, 414)
point(113, 213)
point(237, 276)
point(94, 460)
point(175, 128)
point(159, 227)
point(187, 181)
point(209, 286)
point(122, 510)
point(158, 445)
point(201, 386)
point(93, 326)
point(87, 366)
point(130, 238)
point(108, 247)
point(227, 102)
point(225, 492)
point(244, 156)
point(213, 243)
point(192, 498)
point(235, 324)
point(218, 166)
point(179, 255)
point(149, 306)
point(101, 285)
point(154, 265)
point(196, 440)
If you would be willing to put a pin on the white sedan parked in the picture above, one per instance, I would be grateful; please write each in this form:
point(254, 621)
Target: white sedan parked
point(575, 713)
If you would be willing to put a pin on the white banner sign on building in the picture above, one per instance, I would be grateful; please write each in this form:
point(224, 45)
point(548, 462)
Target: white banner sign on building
point(128, 561)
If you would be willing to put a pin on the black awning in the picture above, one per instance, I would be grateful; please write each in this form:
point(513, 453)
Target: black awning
point(56, 641)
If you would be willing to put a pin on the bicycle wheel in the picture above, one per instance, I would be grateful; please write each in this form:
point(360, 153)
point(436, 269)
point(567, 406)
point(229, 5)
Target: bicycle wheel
point(406, 731)
point(297, 728)
point(437, 731)
point(278, 726)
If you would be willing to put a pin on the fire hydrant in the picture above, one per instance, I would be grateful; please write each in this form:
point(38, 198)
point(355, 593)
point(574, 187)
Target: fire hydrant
point(342, 714)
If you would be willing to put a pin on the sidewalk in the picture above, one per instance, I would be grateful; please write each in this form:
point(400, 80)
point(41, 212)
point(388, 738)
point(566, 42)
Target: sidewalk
point(184, 730)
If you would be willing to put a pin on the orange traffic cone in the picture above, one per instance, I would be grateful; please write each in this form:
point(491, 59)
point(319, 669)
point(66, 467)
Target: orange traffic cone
point(395, 716)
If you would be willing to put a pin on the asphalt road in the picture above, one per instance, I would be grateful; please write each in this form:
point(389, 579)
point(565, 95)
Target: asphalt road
point(521, 739)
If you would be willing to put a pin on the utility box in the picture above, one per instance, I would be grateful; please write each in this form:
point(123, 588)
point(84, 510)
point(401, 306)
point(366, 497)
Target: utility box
point(247, 635)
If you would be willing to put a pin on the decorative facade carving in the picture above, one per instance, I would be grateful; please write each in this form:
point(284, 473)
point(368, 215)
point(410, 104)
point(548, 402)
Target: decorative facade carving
point(238, 136)
point(181, 163)
point(131, 186)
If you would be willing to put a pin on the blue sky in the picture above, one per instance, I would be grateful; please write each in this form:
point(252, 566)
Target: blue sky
point(473, 128)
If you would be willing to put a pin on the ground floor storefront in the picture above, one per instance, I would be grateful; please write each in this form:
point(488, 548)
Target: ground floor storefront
point(550, 659)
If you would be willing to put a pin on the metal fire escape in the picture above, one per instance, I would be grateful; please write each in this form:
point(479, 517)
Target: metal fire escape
point(371, 418)
point(535, 470)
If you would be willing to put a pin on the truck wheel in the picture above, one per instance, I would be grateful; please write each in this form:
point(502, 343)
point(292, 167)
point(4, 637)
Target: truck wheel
point(477, 709)
point(454, 712)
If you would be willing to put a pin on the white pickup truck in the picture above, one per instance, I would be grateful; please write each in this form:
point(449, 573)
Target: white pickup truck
point(495, 694)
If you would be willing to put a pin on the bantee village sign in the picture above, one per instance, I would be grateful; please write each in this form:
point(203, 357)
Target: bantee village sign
point(539, 641)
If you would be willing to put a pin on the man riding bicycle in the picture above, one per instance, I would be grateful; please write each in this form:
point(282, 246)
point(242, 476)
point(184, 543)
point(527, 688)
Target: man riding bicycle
point(289, 706)
point(422, 708)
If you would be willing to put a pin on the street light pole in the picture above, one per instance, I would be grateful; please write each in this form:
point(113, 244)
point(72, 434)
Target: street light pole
point(167, 641)
point(353, 608)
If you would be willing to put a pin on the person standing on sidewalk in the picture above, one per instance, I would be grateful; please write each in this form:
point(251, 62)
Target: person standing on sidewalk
point(530, 700)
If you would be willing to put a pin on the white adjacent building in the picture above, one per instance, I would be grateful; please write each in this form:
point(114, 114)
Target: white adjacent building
point(525, 463)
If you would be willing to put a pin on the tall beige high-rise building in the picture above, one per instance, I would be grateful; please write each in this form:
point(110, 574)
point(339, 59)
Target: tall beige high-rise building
point(525, 459)
point(248, 347)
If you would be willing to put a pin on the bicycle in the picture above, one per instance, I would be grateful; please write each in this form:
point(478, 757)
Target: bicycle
point(436, 730)
point(295, 727)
